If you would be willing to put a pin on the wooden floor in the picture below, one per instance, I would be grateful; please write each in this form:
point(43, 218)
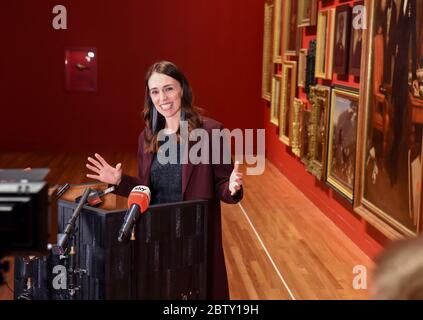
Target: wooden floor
point(278, 245)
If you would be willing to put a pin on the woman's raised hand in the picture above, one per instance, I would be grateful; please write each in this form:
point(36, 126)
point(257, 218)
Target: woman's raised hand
point(104, 172)
point(235, 180)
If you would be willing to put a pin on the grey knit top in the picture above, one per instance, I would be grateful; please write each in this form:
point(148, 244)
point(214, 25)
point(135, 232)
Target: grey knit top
point(166, 179)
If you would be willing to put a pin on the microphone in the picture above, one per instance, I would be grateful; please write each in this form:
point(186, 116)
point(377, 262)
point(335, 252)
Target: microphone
point(138, 202)
point(63, 238)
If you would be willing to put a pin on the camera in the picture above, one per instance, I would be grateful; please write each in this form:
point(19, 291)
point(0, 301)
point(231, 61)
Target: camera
point(24, 212)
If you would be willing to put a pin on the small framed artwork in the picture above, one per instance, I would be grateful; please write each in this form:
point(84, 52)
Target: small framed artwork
point(342, 39)
point(307, 13)
point(291, 33)
point(276, 98)
point(288, 92)
point(325, 38)
point(81, 69)
point(320, 101)
point(302, 68)
point(277, 26)
point(342, 141)
point(304, 133)
point(310, 68)
point(298, 109)
point(266, 81)
point(356, 46)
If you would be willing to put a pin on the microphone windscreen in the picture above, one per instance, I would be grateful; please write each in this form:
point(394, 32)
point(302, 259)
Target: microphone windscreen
point(140, 196)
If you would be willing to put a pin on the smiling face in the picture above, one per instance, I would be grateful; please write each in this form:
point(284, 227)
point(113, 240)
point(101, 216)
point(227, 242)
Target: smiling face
point(166, 95)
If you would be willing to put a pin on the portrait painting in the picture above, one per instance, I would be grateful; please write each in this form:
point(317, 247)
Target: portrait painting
point(342, 39)
point(392, 111)
point(291, 31)
point(342, 141)
point(288, 93)
point(267, 69)
point(307, 13)
point(356, 45)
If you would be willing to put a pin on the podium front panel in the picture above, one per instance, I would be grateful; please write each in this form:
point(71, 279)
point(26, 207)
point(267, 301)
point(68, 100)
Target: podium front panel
point(167, 260)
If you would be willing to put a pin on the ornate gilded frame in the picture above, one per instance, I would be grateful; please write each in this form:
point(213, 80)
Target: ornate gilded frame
point(286, 30)
point(299, 106)
point(372, 213)
point(333, 179)
point(305, 135)
point(267, 71)
point(303, 19)
point(325, 39)
point(287, 99)
point(320, 101)
point(276, 98)
point(302, 67)
point(277, 29)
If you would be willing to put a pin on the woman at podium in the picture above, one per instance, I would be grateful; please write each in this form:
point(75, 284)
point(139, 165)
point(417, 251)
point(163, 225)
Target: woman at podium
point(167, 167)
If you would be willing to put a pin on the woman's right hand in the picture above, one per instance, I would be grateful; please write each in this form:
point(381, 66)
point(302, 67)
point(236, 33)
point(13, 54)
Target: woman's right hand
point(104, 172)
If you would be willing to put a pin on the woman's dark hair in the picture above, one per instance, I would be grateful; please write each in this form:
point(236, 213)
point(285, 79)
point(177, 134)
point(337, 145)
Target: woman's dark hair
point(191, 113)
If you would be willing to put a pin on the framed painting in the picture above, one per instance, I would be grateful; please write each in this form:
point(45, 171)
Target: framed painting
point(342, 39)
point(389, 141)
point(307, 13)
point(310, 68)
point(342, 140)
point(277, 26)
point(320, 100)
point(81, 69)
point(288, 92)
point(267, 70)
point(302, 68)
point(276, 98)
point(325, 39)
point(356, 44)
point(291, 34)
point(298, 108)
point(304, 133)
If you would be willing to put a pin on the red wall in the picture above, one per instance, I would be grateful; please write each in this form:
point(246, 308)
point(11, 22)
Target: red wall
point(216, 43)
point(334, 206)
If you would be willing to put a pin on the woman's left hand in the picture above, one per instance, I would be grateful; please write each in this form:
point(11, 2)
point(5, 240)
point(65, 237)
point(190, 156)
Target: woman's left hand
point(235, 181)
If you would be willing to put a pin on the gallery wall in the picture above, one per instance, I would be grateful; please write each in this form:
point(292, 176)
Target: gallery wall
point(216, 43)
point(332, 203)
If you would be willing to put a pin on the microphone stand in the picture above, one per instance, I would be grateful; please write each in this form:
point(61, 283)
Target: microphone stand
point(132, 266)
point(69, 253)
point(27, 293)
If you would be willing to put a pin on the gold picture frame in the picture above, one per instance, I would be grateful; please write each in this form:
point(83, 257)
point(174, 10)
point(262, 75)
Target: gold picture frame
point(342, 140)
point(307, 13)
point(277, 29)
point(390, 115)
point(305, 136)
point(299, 106)
point(267, 71)
point(276, 98)
point(302, 67)
point(291, 33)
point(325, 40)
point(320, 101)
point(288, 92)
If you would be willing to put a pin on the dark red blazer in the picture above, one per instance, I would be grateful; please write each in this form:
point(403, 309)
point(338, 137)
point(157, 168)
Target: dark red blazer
point(201, 181)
